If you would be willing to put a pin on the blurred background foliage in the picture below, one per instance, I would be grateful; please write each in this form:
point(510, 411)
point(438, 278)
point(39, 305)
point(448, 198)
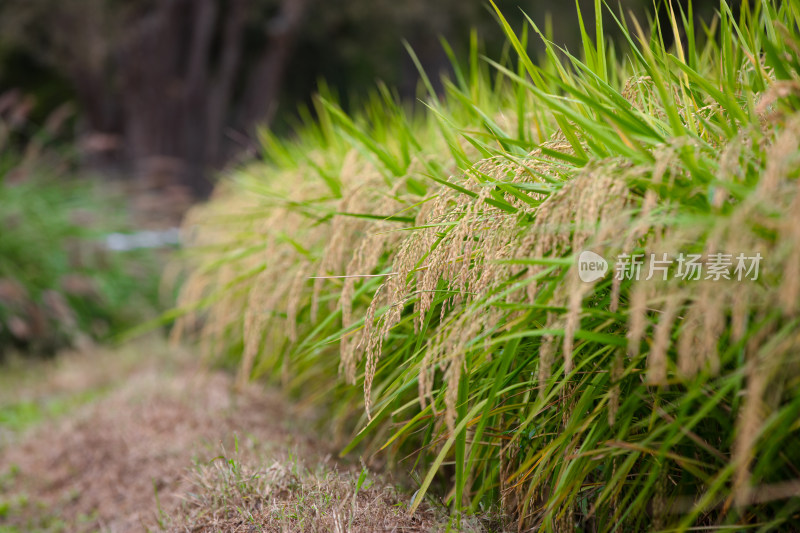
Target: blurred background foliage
point(60, 284)
point(170, 91)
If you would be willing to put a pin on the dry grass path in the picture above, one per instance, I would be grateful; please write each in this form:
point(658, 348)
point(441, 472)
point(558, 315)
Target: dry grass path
point(145, 438)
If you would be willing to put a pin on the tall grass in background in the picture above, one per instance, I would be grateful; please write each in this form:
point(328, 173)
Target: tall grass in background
point(415, 273)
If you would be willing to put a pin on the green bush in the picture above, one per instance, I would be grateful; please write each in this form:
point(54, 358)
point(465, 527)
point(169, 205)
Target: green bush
point(435, 254)
point(58, 281)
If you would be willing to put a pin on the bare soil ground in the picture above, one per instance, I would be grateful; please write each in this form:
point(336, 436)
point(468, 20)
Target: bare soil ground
point(149, 439)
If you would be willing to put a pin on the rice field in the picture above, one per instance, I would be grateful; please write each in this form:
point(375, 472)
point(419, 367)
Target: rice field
point(421, 274)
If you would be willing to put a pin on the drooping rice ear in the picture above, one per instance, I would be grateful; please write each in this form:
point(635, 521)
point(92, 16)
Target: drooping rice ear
point(572, 319)
point(637, 317)
point(547, 351)
point(657, 362)
point(790, 289)
point(293, 301)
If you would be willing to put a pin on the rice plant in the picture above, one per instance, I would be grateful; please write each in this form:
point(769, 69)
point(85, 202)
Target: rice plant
point(417, 274)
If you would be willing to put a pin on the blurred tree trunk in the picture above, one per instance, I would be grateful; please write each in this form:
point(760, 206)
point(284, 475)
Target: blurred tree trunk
point(163, 81)
point(261, 93)
point(178, 90)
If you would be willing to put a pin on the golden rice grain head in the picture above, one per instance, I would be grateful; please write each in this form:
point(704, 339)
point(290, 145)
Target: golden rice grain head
point(740, 310)
point(373, 339)
point(657, 357)
point(689, 339)
point(261, 303)
point(223, 313)
point(781, 158)
point(711, 311)
point(637, 317)
point(572, 319)
point(452, 378)
point(748, 426)
point(790, 237)
point(638, 91)
point(777, 90)
point(293, 302)
point(427, 370)
point(547, 351)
